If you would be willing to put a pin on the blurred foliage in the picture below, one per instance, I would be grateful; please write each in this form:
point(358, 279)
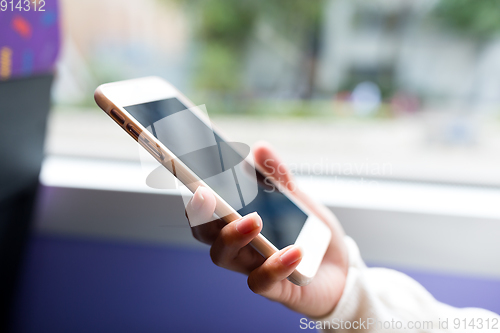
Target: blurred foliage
point(231, 21)
point(223, 29)
point(224, 21)
point(476, 18)
point(332, 108)
point(218, 68)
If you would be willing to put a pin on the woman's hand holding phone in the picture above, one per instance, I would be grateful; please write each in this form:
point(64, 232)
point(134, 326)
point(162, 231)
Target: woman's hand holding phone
point(230, 248)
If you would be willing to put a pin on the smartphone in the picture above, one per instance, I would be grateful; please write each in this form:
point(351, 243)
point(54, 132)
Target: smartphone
point(138, 105)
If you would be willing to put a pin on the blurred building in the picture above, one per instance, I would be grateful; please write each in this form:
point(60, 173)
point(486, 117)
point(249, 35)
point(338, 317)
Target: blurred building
point(390, 43)
point(393, 43)
point(111, 40)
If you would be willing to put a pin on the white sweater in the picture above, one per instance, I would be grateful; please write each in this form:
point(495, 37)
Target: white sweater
point(384, 300)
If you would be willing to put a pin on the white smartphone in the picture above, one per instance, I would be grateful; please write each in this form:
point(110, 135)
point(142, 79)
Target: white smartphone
point(137, 105)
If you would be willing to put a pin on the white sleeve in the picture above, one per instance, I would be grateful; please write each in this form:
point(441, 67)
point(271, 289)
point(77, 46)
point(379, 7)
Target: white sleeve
point(384, 300)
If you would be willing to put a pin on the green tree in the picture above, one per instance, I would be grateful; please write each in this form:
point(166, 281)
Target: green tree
point(224, 27)
point(478, 19)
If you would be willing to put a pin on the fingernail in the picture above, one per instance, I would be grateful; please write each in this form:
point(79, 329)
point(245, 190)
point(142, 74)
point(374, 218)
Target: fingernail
point(248, 223)
point(291, 256)
point(197, 200)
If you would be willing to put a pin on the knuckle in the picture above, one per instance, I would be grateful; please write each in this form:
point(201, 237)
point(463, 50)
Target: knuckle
point(253, 284)
point(216, 257)
point(227, 237)
point(259, 282)
point(197, 236)
point(224, 239)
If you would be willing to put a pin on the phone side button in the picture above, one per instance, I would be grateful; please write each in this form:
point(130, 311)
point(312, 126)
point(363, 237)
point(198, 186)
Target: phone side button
point(117, 116)
point(133, 131)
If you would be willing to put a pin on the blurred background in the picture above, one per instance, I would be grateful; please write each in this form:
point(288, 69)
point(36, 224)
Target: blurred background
point(412, 83)
point(387, 111)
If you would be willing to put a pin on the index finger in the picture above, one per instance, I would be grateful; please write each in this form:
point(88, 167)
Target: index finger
point(272, 165)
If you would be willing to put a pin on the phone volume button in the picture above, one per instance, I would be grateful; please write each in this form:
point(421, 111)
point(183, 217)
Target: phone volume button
point(133, 131)
point(117, 116)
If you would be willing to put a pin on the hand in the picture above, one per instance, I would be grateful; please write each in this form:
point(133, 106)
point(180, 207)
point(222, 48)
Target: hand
point(230, 248)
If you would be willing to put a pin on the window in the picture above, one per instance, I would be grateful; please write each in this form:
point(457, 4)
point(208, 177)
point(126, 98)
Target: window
point(366, 89)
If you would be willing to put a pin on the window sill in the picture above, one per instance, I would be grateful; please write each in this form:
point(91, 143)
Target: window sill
point(441, 228)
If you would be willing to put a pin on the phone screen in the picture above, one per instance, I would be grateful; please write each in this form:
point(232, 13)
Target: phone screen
point(282, 219)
